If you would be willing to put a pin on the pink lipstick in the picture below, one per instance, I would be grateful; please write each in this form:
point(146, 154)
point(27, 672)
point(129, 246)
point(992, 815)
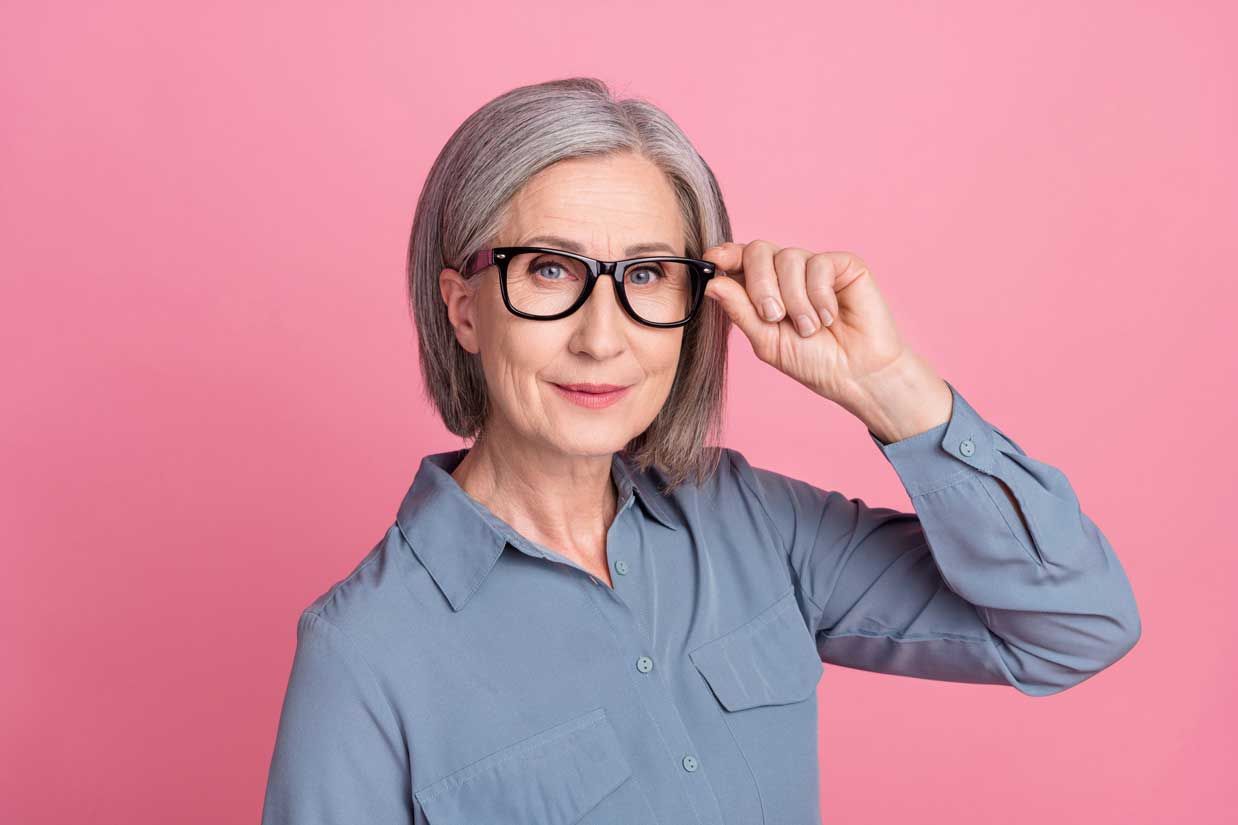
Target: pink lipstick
point(593, 396)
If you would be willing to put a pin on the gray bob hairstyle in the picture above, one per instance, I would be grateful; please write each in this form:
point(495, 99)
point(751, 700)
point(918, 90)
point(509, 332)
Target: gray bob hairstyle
point(461, 208)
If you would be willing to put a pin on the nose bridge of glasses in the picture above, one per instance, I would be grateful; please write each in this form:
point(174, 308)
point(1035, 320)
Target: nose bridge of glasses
point(620, 296)
point(591, 301)
point(605, 268)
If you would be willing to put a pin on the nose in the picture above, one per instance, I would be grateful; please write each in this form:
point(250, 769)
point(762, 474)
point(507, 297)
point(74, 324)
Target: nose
point(600, 322)
point(605, 283)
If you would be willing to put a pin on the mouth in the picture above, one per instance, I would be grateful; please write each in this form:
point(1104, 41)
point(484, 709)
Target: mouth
point(593, 396)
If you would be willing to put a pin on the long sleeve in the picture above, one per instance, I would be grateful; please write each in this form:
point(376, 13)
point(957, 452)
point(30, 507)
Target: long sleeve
point(969, 587)
point(339, 755)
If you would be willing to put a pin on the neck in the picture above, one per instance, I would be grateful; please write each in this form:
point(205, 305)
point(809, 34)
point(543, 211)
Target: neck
point(565, 502)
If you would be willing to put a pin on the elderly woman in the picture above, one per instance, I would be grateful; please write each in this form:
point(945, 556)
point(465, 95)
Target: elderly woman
point(591, 615)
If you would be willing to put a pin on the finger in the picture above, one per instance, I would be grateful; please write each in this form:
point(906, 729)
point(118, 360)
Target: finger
point(820, 277)
point(789, 263)
point(733, 298)
point(761, 280)
point(727, 257)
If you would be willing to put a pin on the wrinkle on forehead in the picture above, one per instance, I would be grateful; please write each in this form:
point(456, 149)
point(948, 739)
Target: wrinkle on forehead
point(606, 204)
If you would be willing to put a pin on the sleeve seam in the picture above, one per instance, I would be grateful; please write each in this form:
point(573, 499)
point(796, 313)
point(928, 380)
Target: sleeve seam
point(904, 637)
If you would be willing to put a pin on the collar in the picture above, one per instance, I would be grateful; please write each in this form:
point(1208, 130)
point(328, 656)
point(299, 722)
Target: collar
point(459, 540)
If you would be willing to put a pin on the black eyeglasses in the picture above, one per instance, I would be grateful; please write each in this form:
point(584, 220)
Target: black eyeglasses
point(545, 284)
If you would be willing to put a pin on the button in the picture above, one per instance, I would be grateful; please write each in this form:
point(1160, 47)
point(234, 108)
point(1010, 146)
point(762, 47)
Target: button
point(689, 763)
point(967, 447)
point(644, 664)
point(621, 567)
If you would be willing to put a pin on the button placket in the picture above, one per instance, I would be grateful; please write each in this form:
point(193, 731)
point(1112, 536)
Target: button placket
point(654, 693)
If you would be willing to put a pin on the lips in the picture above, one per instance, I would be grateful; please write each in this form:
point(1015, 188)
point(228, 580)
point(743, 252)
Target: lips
point(592, 396)
point(593, 388)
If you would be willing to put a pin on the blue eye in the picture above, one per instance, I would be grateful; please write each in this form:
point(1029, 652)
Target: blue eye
point(632, 275)
point(559, 271)
point(542, 268)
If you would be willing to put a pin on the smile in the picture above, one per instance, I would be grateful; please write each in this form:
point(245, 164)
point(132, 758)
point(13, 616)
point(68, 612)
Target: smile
point(591, 399)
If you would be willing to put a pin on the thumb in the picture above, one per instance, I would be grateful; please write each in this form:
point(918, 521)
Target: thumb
point(734, 299)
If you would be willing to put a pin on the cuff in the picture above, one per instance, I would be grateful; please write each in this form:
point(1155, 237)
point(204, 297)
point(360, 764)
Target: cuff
point(945, 454)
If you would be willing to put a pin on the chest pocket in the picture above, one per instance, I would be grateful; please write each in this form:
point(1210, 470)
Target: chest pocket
point(552, 778)
point(770, 660)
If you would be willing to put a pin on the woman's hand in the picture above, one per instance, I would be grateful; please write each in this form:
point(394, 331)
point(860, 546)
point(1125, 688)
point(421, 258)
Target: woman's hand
point(849, 349)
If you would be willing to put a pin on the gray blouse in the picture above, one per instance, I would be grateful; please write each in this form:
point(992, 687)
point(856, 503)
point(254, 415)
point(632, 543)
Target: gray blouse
point(465, 674)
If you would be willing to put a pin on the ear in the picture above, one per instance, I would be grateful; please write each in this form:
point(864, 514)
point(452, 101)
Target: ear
point(459, 295)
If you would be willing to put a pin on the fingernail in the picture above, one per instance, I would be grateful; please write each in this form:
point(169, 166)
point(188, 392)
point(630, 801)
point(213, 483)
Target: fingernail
point(771, 309)
point(805, 325)
point(826, 318)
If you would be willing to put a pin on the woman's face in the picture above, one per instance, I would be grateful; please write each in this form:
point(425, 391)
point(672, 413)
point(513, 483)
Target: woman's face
point(606, 205)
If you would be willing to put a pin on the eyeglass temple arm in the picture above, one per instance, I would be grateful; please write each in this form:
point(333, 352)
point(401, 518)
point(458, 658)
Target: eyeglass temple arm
point(478, 261)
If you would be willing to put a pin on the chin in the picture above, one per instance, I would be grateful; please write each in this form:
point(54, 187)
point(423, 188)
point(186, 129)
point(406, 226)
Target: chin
point(597, 441)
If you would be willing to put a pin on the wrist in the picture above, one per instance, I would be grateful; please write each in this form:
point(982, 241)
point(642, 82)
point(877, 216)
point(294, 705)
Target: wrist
point(904, 399)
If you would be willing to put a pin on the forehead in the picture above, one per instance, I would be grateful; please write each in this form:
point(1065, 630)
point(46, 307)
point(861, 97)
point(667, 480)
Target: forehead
point(607, 205)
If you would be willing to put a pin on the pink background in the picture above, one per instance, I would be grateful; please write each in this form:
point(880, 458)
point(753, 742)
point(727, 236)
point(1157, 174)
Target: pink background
point(211, 405)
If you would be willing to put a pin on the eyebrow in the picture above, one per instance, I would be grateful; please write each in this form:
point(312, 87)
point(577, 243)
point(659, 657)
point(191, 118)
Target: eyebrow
point(569, 245)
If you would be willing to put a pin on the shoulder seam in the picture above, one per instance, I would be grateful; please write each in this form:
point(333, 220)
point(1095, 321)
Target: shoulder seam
point(786, 551)
point(331, 592)
point(756, 493)
point(356, 651)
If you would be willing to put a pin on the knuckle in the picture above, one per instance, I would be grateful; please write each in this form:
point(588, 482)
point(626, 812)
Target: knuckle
point(793, 253)
point(820, 296)
point(822, 261)
point(857, 262)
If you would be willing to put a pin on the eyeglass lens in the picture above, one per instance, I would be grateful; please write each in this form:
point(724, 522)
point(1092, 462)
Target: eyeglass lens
point(541, 283)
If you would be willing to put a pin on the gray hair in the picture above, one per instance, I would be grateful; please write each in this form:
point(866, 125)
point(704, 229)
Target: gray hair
point(461, 209)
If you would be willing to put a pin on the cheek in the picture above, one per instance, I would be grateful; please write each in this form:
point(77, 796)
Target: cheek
point(662, 360)
point(519, 352)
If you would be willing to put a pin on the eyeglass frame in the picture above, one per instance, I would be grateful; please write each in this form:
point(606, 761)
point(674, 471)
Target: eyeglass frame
point(501, 256)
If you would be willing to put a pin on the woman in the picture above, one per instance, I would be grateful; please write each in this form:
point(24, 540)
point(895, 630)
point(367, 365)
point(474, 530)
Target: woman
point(592, 616)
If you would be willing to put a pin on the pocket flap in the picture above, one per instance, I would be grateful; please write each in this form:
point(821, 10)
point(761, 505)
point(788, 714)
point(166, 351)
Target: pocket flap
point(552, 778)
point(771, 660)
